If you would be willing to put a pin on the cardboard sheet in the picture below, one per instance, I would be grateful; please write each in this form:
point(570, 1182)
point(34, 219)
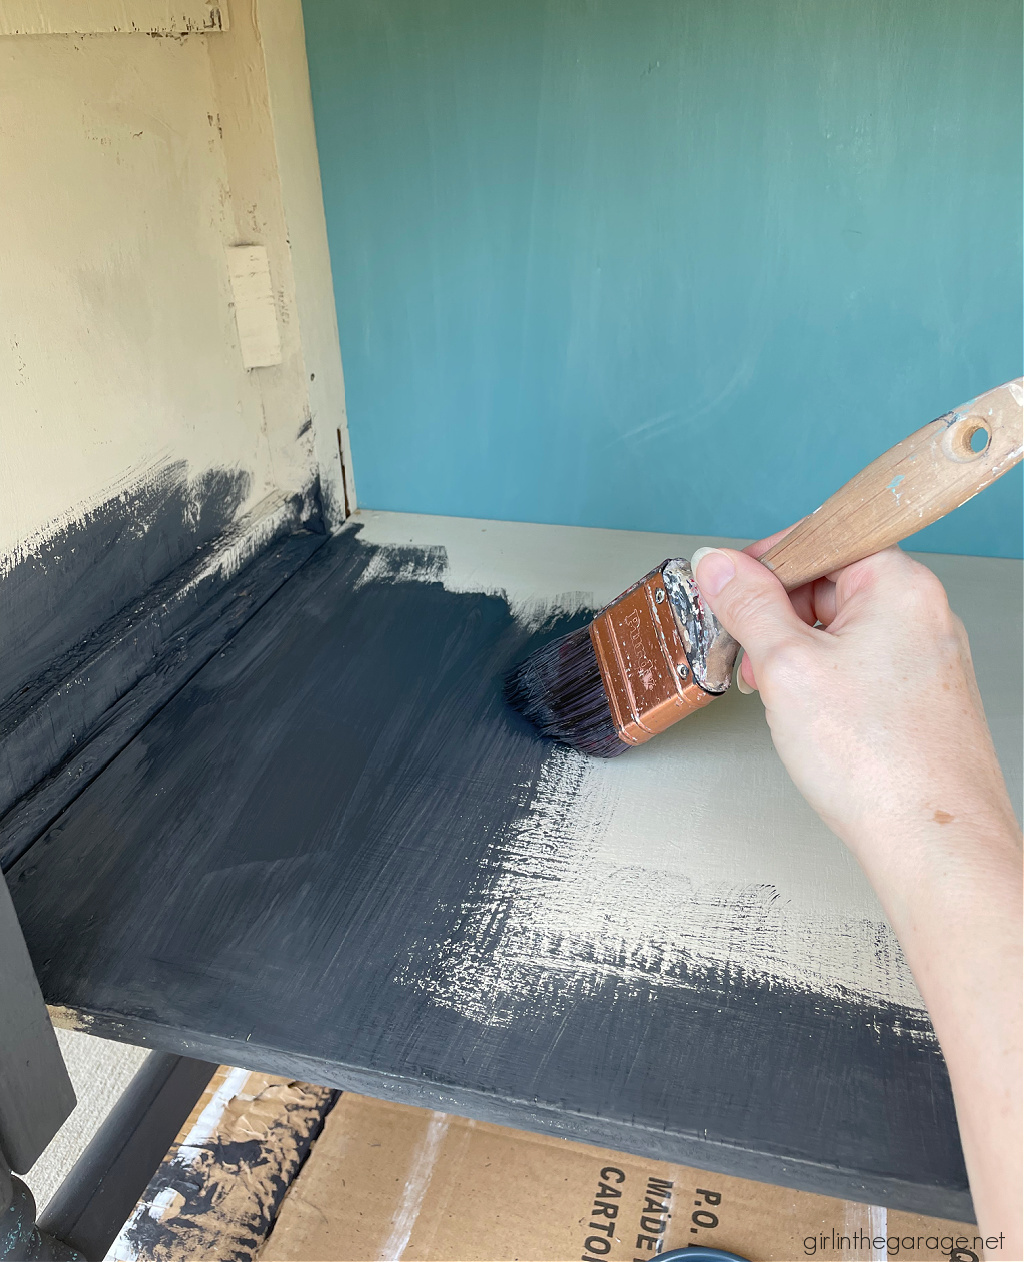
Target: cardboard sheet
point(389, 1181)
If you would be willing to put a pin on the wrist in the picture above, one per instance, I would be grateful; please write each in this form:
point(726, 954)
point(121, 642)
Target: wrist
point(920, 861)
point(916, 816)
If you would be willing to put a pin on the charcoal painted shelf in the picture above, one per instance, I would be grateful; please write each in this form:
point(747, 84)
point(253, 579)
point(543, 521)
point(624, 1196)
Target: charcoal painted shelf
point(334, 854)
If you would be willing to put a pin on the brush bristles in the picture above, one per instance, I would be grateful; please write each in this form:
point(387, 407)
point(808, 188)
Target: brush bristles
point(560, 690)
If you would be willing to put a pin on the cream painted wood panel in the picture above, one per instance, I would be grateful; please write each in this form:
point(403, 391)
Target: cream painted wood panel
point(255, 312)
point(87, 17)
point(133, 163)
point(291, 109)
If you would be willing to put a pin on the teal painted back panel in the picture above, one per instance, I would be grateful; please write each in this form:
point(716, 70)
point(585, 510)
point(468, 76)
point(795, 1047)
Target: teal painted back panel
point(680, 265)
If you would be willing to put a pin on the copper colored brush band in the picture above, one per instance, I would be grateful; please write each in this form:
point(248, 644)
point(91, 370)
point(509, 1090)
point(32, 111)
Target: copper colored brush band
point(643, 664)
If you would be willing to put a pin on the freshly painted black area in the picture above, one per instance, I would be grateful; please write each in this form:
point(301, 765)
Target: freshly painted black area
point(101, 1189)
point(218, 609)
point(91, 610)
point(254, 876)
point(86, 572)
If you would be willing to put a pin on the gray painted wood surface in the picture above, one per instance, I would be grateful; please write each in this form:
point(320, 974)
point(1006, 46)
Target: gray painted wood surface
point(35, 1090)
point(102, 1188)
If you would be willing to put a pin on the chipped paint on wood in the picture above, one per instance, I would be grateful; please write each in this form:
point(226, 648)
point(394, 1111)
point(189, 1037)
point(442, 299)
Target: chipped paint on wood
point(65, 1018)
point(113, 17)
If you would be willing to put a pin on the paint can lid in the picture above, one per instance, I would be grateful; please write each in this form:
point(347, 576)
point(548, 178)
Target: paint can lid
point(699, 1253)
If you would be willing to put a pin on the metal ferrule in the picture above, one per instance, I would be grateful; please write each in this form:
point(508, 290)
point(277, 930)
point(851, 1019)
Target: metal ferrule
point(661, 653)
point(710, 649)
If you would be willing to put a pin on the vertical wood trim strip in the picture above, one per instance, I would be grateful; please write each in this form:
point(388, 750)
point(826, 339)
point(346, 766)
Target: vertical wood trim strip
point(291, 107)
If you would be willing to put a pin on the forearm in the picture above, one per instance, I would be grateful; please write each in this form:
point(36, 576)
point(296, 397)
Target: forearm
point(952, 893)
point(869, 690)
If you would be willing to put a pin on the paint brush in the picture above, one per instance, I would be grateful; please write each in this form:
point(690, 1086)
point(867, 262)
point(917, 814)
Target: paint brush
point(657, 653)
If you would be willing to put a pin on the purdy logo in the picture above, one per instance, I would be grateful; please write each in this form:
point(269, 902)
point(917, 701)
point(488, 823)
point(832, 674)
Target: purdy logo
point(643, 663)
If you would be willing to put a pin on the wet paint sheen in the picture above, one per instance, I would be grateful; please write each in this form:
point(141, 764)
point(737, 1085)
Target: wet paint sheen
point(288, 867)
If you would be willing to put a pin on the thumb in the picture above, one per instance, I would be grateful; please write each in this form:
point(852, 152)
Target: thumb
point(748, 600)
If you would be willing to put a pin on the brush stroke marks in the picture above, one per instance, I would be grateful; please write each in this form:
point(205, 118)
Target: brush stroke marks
point(573, 913)
point(297, 854)
point(417, 1182)
point(66, 580)
point(144, 657)
point(748, 880)
point(217, 1194)
point(91, 591)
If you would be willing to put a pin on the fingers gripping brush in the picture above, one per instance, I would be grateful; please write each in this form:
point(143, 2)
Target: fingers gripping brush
point(657, 653)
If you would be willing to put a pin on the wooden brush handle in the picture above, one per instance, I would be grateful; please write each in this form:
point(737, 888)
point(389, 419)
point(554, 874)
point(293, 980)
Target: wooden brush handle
point(915, 483)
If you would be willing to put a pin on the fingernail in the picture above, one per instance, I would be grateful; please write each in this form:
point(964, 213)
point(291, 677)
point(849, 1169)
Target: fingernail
point(741, 683)
point(716, 569)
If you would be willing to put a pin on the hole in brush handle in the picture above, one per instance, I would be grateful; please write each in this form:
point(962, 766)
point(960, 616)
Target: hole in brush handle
point(967, 439)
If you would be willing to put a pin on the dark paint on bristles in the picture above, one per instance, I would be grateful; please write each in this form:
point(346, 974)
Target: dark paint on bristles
point(560, 690)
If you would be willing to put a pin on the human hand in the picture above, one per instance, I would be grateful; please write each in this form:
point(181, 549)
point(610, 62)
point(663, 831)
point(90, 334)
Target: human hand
point(875, 713)
point(877, 717)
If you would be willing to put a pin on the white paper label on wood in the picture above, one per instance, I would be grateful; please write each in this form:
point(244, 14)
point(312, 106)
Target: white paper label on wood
point(255, 309)
point(111, 17)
